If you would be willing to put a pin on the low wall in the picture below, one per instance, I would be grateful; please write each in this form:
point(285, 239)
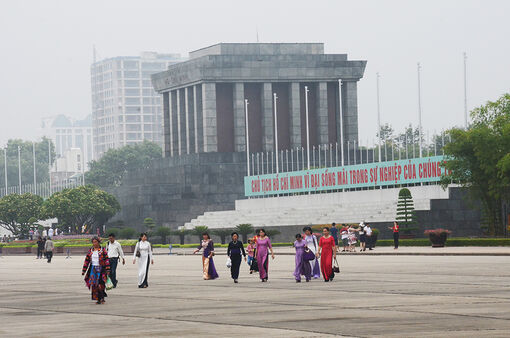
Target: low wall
point(73, 250)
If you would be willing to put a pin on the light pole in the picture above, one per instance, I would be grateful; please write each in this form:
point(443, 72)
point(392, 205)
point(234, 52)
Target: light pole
point(5, 168)
point(307, 129)
point(49, 164)
point(378, 116)
point(419, 107)
point(341, 120)
point(276, 131)
point(247, 138)
point(19, 169)
point(35, 176)
point(465, 92)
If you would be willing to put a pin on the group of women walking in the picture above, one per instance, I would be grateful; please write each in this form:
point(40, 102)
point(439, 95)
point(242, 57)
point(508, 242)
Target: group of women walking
point(309, 250)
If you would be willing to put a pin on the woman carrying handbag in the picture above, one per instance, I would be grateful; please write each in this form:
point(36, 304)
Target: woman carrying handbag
point(327, 252)
point(303, 254)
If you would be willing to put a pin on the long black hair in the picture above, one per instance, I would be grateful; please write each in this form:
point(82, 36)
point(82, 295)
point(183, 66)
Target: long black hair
point(143, 234)
point(206, 234)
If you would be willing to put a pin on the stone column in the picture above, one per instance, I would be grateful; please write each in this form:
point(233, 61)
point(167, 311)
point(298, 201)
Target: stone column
point(178, 113)
point(268, 117)
point(186, 120)
point(295, 115)
point(166, 125)
point(199, 120)
point(195, 117)
point(239, 118)
point(209, 117)
point(322, 113)
point(173, 124)
point(350, 110)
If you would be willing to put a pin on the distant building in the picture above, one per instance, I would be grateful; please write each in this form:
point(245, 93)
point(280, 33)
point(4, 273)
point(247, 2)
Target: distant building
point(203, 98)
point(67, 168)
point(67, 133)
point(125, 108)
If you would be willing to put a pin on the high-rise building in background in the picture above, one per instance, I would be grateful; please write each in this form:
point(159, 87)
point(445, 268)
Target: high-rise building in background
point(125, 108)
point(68, 133)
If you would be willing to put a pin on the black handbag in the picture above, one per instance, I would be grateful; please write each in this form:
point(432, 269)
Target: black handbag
point(336, 267)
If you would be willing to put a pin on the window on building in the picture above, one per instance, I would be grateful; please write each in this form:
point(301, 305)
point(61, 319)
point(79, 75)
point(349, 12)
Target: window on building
point(133, 136)
point(131, 100)
point(132, 92)
point(147, 83)
point(133, 118)
point(131, 83)
point(153, 65)
point(131, 74)
point(131, 64)
point(133, 127)
point(133, 110)
point(78, 141)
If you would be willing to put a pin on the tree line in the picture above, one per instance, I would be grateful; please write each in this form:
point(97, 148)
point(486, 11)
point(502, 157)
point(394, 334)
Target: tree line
point(84, 208)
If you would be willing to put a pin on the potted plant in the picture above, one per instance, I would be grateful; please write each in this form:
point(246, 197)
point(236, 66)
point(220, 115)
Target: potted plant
point(438, 237)
point(406, 215)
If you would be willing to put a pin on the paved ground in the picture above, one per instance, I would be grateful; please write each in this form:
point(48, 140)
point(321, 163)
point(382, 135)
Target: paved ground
point(387, 296)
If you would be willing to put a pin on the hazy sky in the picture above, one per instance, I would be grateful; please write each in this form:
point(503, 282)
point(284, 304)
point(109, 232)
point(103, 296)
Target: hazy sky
point(46, 49)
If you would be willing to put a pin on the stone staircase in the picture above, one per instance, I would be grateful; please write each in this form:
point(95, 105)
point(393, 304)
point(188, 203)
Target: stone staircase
point(340, 207)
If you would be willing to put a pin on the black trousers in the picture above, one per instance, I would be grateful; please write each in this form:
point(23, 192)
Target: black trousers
point(395, 239)
point(39, 252)
point(369, 242)
point(113, 269)
point(236, 263)
point(49, 255)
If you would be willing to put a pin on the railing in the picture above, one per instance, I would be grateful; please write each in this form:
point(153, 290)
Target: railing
point(42, 189)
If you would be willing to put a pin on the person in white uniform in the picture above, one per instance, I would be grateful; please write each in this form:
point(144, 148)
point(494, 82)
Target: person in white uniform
point(143, 251)
point(313, 245)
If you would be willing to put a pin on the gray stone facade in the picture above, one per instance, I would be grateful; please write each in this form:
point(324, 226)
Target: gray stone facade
point(222, 72)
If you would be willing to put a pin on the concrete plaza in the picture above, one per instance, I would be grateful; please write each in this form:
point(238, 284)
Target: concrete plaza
point(374, 296)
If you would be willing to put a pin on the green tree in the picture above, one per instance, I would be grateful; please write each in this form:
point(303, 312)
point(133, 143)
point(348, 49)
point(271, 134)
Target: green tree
point(17, 212)
point(405, 208)
point(27, 163)
point(86, 206)
point(115, 163)
point(245, 229)
point(149, 224)
point(182, 233)
point(127, 233)
point(115, 231)
point(479, 159)
point(272, 232)
point(199, 230)
point(163, 232)
point(222, 234)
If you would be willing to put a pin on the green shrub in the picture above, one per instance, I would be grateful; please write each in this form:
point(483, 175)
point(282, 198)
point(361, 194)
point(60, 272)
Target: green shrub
point(127, 233)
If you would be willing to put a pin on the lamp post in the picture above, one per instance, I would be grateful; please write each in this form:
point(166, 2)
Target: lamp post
point(19, 169)
point(5, 168)
point(49, 165)
point(276, 130)
point(307, 129)
point(465, 92)
point(378, 116)
point(247, 138)
point(35, 176)
point(341, 120)
point(419, 108)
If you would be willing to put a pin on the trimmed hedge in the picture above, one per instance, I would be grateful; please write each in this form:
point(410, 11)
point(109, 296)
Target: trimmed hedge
point(459, 241)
